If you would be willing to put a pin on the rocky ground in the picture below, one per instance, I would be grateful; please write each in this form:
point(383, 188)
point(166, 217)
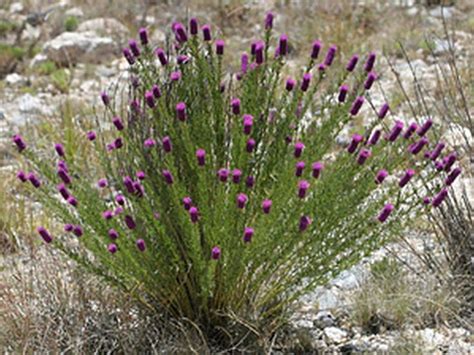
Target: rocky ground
point(75, 65)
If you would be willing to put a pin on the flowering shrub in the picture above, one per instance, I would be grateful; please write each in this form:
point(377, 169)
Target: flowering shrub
point(220, 194)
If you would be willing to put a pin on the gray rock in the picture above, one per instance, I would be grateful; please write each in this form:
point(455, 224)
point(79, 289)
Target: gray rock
point(38, 59)
point(80, 47)
point(108, 27)
point(440, 46)
point(441, 11)
point(324, 319)
point(15, 79)
point(16, 8)
point(75, 11)
point(334, 335)
point(26, 107)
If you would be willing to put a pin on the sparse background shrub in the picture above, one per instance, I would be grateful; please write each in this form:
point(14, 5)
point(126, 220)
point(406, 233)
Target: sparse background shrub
point(223, 198)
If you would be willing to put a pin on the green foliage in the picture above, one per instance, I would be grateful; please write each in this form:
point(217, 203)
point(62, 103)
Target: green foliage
point(46, 68)
point(6, 27)
point(8, 50)
point(71, 23)
point(252, 281)
point(61, 79)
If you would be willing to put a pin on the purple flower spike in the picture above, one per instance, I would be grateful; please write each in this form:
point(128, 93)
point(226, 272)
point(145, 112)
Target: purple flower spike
point(78, 232)
point(369, 64)
point(266, 206)
point(59, 149)
point(128, 56)
point(112, 248)
point(63, 191)
point(44, 234)
point(395, 132)
point(269, 21)
point(250, 145)
point(381, 175)
point(118, 123)
point(406, 178)
point(128, 182)
point(343, 90)
point(156, 91)
point(107, 214)
point(305, 222)
point(34, 180)
point(120, 200)
point(375, 137)
point(134, 47)
point(201, 157)
point(439, 166)
point(418, 146)
point(410, 130)
point(363, 156)
point(180, 32)
point(220, 47)
point(449, 160)
point(140, 175)
point(283, 47)
point(181, 111)
point(143, 34)
point(425, 127)
point(102, 183)
point(299, 167)
point(352, 63)
point(118, 143)
point(141, 245)
point(187, 202)
point(91, 135)
point(439, 198)
point(248, 234)
point(105, 98)
point(206, 32)
point(426, 200)
point(244, 61)
point(315, 49)
point(248, 123)
point(113, 234)
point(150, 99)
point(235, 104)
point(167, 176)
point(330, 55)
point(386, 211)
point(383, 111)
point(21, 175)
point(242, 200)
point(290, 84)
point(259, 47)
point(149, 143)
point(356, 139)
point(356, 105)
point(182, 59)
point(453, 176)
point(68, 227)
point(167, 146)
point(437, 151)
point(250, 181)
point(370, 80)
point(303, 187)
point(305, 82)
point(72, 201)
point(299, 147)
point(236, 176)
point(216, 253)
point(321, 68)
point(193, 26)
point(317, 167)
point(194, 214)
point(130, 222)
point(223, 174)
point(160, 53)
point(64, 176)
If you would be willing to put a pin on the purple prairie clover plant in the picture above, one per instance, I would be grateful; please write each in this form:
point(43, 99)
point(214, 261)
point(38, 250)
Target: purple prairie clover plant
point(213, 197)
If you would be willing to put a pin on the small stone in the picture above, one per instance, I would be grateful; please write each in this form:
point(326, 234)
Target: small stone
point(324, 319)
point(15, 79)
point(334, 335)
point(16, 8)
point(75, 12)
